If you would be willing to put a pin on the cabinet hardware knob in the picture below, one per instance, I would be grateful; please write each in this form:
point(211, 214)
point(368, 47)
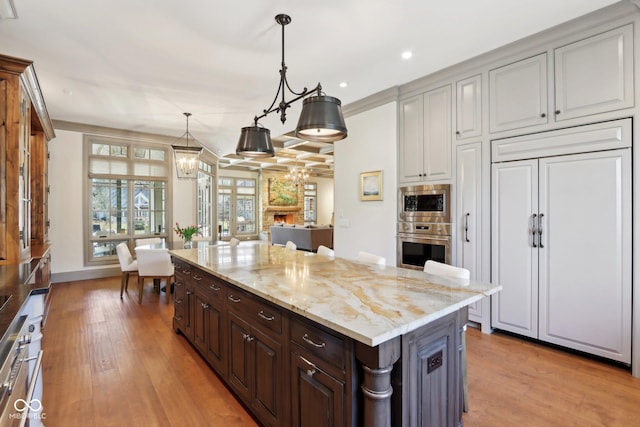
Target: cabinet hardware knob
point(457, 132)
point(265, 316)
point(312, 366)
point(308, 340)
point(557, 112)
point(205, 306)
point(543, 115)
point(189, 292)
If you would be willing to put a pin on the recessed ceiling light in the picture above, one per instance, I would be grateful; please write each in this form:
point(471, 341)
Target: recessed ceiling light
point(407, 54)
point(343, 84)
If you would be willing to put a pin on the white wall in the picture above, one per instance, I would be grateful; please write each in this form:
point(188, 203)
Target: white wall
point(371, 146)
point(65, 202)
point(325, 199)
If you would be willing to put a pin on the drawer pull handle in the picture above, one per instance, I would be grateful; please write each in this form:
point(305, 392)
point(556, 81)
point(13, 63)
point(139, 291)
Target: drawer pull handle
point(177, 301)
point(233, 299)
point(196, 277)
point(308, 340)
point(214, 287)
point(177, 284)
point(265, 316)
point(178, 318)
point(313, 367)
point(185, 271)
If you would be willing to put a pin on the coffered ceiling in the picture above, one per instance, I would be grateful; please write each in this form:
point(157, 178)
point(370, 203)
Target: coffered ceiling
point(137, 65)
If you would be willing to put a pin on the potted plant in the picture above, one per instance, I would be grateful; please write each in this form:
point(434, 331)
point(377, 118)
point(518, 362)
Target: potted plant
point(187, 233)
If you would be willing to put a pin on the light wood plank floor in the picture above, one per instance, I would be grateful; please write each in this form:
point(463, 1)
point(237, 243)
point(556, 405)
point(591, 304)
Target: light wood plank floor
point(113, 362)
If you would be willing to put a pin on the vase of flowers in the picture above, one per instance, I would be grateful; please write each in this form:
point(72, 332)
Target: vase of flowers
point(187, 234)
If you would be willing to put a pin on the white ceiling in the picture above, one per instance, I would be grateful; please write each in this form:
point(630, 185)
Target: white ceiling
point(139, 64)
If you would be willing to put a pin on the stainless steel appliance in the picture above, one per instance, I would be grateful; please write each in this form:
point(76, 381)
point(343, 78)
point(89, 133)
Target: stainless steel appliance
point(18, 376)
point(424, 226)
point(424, 203)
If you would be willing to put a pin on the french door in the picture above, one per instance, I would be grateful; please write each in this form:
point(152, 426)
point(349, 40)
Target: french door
point(236, 207)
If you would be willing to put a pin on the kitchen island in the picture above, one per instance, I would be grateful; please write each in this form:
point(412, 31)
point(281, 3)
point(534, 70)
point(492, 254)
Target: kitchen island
point(305, 339)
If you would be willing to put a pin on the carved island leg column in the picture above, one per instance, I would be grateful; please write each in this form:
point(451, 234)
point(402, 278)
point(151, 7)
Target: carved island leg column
point(377, 363)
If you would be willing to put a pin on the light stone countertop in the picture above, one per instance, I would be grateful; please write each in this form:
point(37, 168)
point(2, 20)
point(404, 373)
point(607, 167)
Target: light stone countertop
point(369, 303)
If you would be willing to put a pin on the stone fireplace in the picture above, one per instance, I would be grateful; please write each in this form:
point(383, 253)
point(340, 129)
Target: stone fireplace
point(279, 214)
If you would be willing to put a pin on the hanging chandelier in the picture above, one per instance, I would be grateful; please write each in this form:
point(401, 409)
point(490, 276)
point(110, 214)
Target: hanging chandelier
point(297, 175)
point(187, 158)
point(321, 118)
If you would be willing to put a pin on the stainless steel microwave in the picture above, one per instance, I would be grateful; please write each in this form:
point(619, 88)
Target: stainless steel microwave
point(424, 203)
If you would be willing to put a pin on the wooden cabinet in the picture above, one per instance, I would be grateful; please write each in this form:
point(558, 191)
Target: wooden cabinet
point(518, 94)
point(425, 136)
point(24, 127)
point(594, 75)
point(561, 245)
point(469, 216)
point(321, 379)
point(256, 356)
point(469, 107)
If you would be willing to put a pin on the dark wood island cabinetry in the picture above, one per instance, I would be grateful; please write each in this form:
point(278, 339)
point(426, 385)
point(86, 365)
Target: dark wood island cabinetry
point(308, 340)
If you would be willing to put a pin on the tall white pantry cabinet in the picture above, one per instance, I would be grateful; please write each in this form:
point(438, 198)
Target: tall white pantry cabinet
point(561, 237)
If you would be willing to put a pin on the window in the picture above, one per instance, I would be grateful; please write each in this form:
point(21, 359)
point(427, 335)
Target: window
point(237, 206)
point(127, 195)
point(205, 208)
point(310, 202)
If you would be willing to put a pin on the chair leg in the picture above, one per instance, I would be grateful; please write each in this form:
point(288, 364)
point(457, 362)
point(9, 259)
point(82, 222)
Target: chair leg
point(122, 282)
point(140, 286)
point(465, 385)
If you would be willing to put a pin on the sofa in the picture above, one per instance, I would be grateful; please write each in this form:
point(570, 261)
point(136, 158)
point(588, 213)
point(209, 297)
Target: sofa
point(306, 237)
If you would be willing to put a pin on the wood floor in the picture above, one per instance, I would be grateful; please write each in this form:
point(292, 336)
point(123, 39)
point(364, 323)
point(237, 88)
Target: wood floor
point(113, 362)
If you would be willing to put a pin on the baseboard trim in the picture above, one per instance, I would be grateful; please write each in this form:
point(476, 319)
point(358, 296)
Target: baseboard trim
point(74, 276)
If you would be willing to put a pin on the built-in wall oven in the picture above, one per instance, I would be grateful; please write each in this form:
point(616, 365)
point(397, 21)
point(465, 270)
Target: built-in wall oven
point(424, 225)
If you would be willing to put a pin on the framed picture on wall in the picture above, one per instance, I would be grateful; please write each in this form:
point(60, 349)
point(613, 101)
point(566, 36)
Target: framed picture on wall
point(371, 185)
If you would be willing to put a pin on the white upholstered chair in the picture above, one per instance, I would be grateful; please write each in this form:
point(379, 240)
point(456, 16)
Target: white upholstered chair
point(154, 264)
point(148, 241)
point(234, 242)
point(371, 258)
point(438, 268)
point(291, 246)
point(127, 264)
point(323, 250)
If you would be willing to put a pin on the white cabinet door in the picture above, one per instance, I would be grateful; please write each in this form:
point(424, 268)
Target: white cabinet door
point(411, 139)
point(585, 253)
point(468, 216)
point(518, 94)
point(469, 107)
point(425, 136)
point(437, 133)
point(514, 260)
point(595, 75)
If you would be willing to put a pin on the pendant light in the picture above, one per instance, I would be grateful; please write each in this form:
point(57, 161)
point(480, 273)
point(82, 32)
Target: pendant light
point(321, 119)
point(187, 158)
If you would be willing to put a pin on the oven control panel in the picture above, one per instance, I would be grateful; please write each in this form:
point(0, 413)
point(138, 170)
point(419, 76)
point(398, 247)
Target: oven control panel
point(424, 228)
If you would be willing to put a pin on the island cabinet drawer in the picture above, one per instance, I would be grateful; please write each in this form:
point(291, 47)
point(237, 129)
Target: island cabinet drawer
point(212, 286)
point(182, 270)
point(257, 312)
point(326, 346)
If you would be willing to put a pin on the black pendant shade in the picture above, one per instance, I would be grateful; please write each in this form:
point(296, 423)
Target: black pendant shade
point(321, 120)
point(255, 141)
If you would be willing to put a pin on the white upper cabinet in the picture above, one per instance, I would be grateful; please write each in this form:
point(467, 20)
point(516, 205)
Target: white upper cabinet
point(469, 107)
point(425, 136)
point(594, 75)
point(590, 76)
point(518, 94)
